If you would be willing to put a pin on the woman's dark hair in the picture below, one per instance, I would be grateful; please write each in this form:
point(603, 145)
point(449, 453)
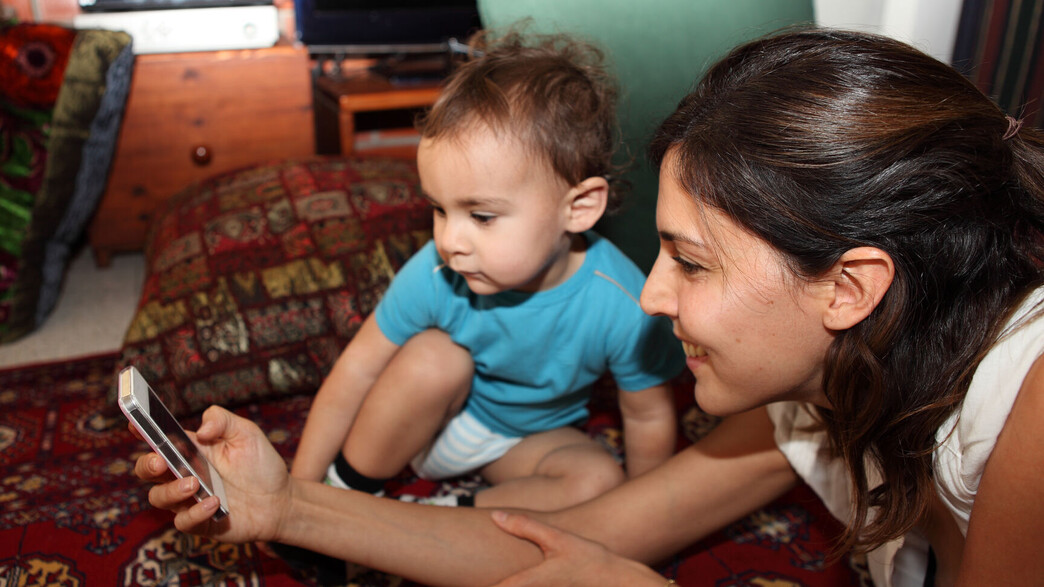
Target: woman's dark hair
point(818, 141)
point(552, 92)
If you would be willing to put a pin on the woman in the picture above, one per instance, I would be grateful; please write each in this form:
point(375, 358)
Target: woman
point(851, 255)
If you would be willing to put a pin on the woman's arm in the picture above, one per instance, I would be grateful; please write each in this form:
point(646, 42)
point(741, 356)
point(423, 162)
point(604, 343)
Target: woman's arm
point(571, 559)
point(650, 427)
point(733, 471)
point(739, 455)
point(432, 544)
point(337, 402)
point(1003, 542)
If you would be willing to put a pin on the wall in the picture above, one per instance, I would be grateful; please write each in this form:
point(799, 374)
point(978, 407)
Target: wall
point(930, 25)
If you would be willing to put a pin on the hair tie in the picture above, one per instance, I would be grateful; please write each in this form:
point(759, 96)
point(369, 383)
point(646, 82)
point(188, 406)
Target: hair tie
point(1013, 127)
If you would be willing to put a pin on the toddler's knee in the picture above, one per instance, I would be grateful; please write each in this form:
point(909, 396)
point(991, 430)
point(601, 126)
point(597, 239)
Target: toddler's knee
point(434, 357)
point(590, 482)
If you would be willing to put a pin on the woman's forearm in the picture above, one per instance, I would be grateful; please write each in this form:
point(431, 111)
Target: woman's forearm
point(733, 471)
point(430, 544)
point(692, 495)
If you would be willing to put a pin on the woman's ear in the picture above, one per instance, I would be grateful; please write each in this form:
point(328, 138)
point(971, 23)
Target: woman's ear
point(586, 203)
point(859, 280)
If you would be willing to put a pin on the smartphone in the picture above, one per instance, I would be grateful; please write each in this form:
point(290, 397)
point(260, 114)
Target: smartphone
point(161, 430)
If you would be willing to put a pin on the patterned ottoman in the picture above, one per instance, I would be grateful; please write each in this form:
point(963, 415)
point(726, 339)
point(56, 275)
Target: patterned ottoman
point(257, 278)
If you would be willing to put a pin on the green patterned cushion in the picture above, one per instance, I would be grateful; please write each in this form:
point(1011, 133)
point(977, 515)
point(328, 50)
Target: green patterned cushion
point(257, 278)
point(62, 94)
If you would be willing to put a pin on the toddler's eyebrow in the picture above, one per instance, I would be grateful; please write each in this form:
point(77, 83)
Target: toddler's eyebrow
point(470, 202)
point(480, 202)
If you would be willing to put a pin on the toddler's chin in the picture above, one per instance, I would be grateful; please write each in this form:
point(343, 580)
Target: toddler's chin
point(480, 287)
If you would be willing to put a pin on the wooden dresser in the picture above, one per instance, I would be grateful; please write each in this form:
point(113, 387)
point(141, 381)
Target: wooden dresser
point(192, 115)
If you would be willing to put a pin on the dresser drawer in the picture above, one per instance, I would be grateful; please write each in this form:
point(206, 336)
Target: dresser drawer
point(192, 115)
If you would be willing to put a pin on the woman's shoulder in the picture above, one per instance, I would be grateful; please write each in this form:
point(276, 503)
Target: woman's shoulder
point(1008, 511)
point(1001, 372)
point(967, 440)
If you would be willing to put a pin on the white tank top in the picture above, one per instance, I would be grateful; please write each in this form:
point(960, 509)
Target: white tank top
point(966, 441)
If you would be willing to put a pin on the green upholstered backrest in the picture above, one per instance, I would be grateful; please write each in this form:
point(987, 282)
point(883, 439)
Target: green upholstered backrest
point(658, 49)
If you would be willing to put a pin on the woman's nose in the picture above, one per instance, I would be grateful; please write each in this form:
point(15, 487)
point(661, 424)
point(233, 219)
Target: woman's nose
point(658, 297)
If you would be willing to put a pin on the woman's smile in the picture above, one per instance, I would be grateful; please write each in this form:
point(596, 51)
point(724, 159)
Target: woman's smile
point(695, 355)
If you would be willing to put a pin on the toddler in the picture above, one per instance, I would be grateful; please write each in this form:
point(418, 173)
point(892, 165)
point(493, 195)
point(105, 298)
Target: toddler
point(480, 356)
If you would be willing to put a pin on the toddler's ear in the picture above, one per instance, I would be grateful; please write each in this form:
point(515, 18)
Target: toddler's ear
point(587, 201)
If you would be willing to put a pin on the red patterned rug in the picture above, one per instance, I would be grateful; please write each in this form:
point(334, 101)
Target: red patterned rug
point(72, 513)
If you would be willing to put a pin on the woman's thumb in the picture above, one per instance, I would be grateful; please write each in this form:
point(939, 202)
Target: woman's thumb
point(527, 528)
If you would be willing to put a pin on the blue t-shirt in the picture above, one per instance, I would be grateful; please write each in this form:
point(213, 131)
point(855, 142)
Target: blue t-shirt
point(536, 354)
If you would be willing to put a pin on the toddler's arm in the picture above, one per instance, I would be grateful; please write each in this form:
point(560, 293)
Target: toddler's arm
point(338, 399)
point(650, 427)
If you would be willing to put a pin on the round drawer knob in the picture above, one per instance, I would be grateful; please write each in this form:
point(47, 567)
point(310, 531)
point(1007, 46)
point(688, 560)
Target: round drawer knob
point(201, 155)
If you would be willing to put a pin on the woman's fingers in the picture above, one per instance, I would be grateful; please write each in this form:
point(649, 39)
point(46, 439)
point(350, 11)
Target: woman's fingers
point(168, 495)
point(190, 519)
point(151, 467)
point(216, 422)
point(527, 528)
point(179, 497)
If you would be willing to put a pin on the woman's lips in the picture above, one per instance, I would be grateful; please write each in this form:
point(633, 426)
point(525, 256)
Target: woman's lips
point(695, 355)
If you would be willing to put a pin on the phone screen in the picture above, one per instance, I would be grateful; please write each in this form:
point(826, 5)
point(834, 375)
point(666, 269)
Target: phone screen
point(176, 436)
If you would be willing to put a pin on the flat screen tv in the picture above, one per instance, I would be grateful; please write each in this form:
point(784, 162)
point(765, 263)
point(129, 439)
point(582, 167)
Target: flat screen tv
point(384, 22)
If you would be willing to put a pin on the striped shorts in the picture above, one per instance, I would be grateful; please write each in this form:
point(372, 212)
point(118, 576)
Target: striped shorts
point(464, 445)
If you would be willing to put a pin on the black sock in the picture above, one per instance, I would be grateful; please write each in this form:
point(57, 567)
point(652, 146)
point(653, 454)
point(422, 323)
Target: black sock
point(328, 570)
point(355, 479)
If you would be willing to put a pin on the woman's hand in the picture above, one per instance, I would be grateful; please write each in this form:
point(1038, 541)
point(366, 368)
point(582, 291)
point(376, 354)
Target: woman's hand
point(570, 559)
point(256, 482)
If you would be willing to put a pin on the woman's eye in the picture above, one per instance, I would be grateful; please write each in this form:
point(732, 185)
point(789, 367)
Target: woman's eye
point(686, 266)
point(483, 218)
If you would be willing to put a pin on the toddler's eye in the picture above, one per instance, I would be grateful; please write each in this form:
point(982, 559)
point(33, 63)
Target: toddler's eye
point(438, 211)
point(482, 218)
point(686, 266)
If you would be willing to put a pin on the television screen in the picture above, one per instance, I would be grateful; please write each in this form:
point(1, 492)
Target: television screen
point(384, 22)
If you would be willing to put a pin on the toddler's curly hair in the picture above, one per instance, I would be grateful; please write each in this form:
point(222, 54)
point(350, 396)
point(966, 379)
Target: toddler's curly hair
point(553, 93)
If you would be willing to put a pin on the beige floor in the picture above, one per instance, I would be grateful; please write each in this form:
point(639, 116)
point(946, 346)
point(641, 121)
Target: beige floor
point(93, 312)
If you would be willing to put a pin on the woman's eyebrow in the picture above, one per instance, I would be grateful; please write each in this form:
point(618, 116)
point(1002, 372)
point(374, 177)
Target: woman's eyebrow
point(671, 237)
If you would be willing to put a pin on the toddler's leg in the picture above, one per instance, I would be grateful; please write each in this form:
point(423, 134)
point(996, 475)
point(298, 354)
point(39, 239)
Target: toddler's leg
point(549, 471)
point(423, 386)
point(425, 383)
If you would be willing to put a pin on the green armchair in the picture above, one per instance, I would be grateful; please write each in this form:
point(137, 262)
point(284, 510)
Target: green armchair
point(658, 50)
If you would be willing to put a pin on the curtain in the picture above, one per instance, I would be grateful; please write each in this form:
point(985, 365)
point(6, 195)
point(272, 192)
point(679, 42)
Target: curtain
point(999, 47)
